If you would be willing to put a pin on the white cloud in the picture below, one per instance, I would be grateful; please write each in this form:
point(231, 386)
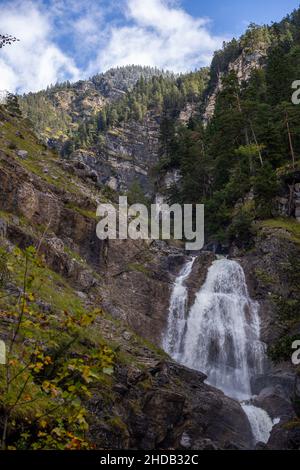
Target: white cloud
point(73, 39)
point(159, 34)
point(36, 61)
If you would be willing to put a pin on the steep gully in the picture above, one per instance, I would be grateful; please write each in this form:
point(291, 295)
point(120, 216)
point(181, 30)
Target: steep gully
point(220, 336)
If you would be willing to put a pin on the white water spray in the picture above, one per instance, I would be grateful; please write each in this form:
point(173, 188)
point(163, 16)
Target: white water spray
point(172, 342)
point(260, 422)
point(220, 335)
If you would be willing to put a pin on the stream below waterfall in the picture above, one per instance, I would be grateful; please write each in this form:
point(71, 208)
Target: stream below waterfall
point(220, 336)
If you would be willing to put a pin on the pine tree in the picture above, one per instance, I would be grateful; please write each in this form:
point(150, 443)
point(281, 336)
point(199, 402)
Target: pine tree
point(12, 105)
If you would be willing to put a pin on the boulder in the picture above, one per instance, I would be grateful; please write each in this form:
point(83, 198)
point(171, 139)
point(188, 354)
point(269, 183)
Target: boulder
point(273, 400)
point(170, 407)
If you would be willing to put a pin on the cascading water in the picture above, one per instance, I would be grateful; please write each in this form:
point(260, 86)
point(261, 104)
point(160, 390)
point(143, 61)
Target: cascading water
point(220, 335)
point(177, 313)
point(260, 422)
point(222, 331)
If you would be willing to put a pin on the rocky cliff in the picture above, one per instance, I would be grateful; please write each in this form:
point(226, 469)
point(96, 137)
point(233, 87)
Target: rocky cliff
point(145, 400)
point(98, 310)
point(126, 155)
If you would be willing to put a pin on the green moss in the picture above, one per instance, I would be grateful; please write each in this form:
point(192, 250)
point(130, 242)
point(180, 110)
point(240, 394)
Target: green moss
point(288, 309)
point(84, 212)
point(158, 351)
point(48, 286)
point(118, 425)
point(25, 141)
point(264, 277)
point(73, 254)
point(290, 425)
point(114, 132)
point(5, 215)
point(288, 224)
point(146, 384)
point(16, 134)
point(139, 268)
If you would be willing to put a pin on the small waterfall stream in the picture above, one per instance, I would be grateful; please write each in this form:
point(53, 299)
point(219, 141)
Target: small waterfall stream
point(220, 335)
point(173, 340)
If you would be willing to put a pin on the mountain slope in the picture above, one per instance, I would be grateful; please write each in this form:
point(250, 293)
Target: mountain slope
point(116, 123)
point(56, 111)
point(117, 390)
point(229, 139)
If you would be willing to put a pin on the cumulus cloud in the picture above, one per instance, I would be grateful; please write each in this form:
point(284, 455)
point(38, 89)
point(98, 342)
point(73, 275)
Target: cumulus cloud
point(36, 61)
point(71, 39)
point(159, 34)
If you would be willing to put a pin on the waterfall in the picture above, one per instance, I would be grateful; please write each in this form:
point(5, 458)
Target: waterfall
point(172, 342)
point(260, 423)
point(220, 335)
point(222, 331)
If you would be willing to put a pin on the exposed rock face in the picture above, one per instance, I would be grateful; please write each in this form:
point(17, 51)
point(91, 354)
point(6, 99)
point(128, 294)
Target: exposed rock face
point(267, 276)
point(153, 403)
point(198, 274)
point(137, 286)
point(288, 202)
point(42, 205)
point(273, 400)
point(243, 66)
point(82, 99)
point(188, 112)
point(211, 101)
point(22, 153)
point(270, 280)
point(126, 155)
point(173, 408)
point(285, 436)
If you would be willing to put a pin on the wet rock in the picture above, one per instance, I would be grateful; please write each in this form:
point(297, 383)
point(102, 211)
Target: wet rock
point(261, 446)
point(285, 379)
point(273, 400)
point(198, 274)
point(285, 436)
point(181, 412)
point(175, 262)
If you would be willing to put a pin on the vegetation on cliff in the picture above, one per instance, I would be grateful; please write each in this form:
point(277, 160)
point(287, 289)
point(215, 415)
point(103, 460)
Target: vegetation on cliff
point(232, 164)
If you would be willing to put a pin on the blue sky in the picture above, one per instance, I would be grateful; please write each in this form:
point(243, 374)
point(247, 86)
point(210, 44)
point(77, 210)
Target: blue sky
point(230, 16)
point(74, 39)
